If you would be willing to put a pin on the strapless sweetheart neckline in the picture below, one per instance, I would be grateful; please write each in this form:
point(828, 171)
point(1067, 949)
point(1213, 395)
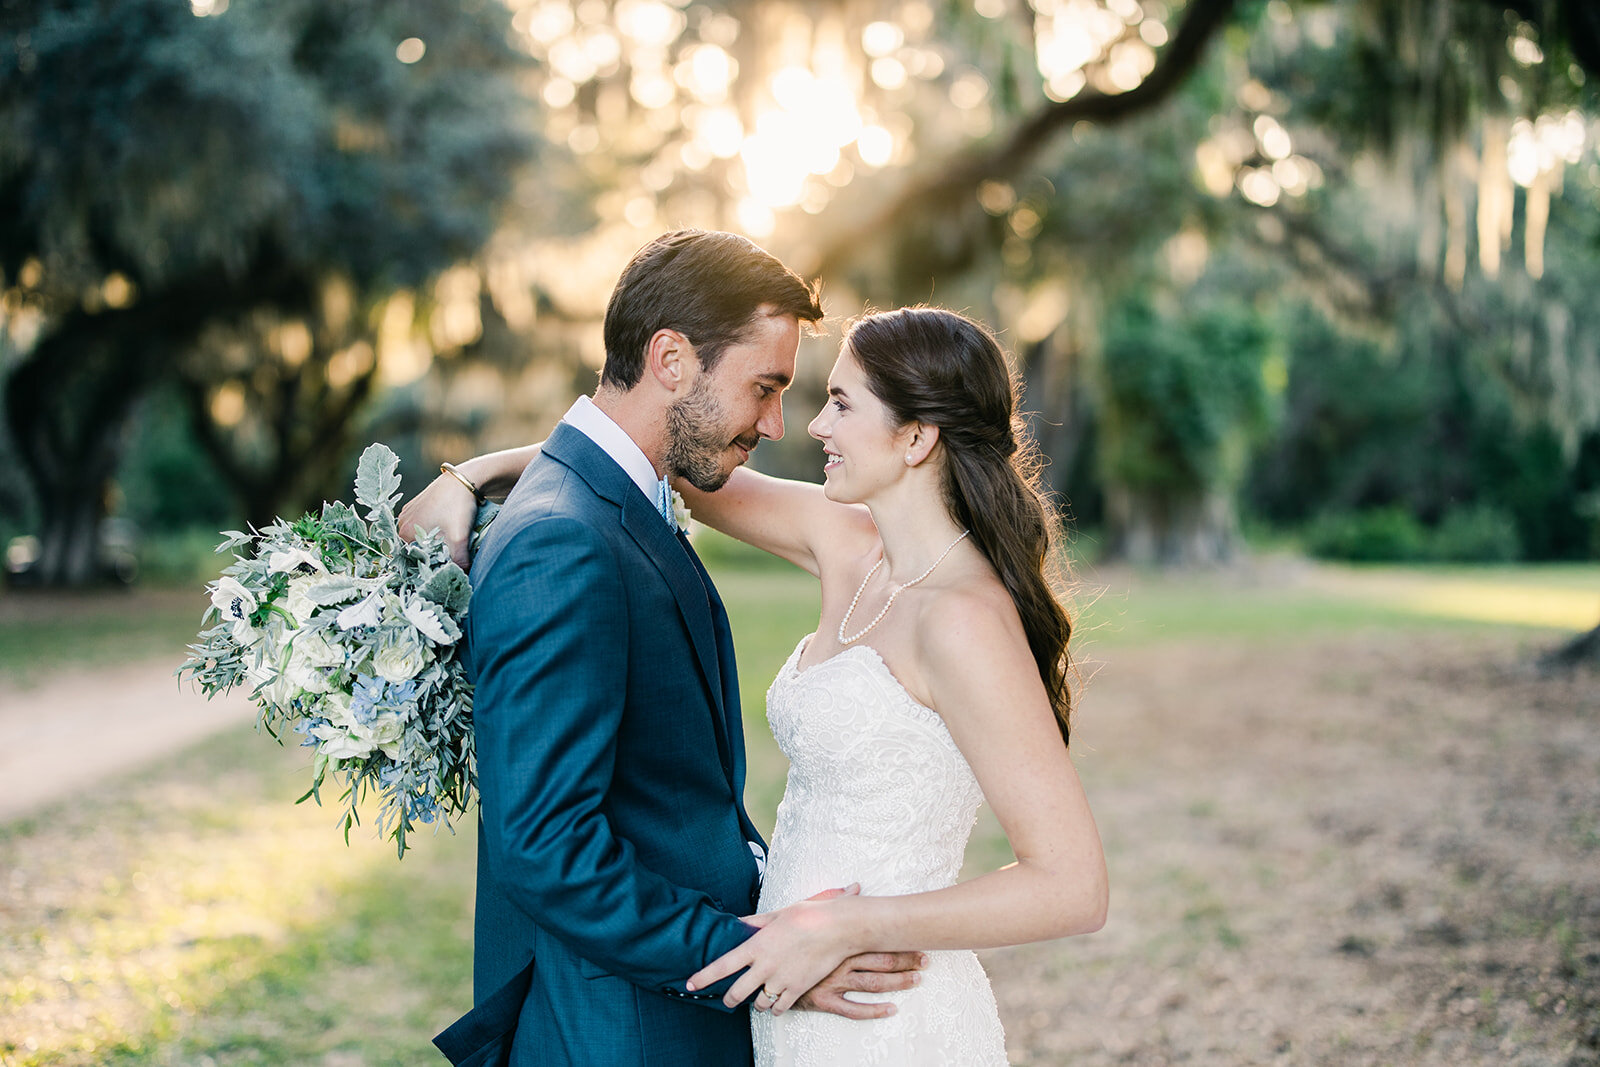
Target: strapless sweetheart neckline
point(874, 658)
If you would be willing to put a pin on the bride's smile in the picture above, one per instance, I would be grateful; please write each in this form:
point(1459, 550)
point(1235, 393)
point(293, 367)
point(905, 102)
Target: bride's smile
point(861, 446)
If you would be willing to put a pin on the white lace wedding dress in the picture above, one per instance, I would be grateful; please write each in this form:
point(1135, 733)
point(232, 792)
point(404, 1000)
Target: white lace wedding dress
point(879, 794)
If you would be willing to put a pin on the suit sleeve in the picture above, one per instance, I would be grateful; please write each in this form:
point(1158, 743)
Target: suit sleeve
point(549, 644)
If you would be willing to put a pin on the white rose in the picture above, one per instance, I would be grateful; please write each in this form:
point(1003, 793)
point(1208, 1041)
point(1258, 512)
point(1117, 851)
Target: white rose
point(336, 709)
point(265, 640)
point(317, 650)
point(283, 689)
point(304, 675)
point(232, 599)
point(680, 510)
point(276, 688)
point(384, 732)
point(259, 672)
point(396, 661)
point(297, 601)
point(336, 743)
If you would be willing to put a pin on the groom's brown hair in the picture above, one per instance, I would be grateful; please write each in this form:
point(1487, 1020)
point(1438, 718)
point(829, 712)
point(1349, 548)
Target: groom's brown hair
point(706, 285)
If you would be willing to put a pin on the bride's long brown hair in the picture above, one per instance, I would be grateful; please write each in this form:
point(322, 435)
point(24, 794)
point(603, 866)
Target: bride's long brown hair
point(940, 368)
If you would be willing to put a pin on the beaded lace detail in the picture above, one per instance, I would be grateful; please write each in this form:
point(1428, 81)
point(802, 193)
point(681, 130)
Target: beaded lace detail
point(878, 793)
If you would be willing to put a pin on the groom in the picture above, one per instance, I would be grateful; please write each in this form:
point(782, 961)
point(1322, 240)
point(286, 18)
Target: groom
point(615, 855)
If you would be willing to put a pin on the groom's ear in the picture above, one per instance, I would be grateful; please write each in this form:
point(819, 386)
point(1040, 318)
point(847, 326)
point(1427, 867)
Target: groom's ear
point(671, 360)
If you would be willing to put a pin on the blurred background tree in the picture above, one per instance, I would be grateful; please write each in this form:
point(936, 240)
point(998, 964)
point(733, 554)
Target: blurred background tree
point(224, 201)
point(1318, 266)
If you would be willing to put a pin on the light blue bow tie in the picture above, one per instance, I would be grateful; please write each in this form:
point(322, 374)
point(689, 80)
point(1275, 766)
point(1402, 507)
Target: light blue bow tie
point(664, 504)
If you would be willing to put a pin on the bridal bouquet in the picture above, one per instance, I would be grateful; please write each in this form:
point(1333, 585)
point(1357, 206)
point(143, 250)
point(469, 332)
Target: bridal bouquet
point(347, 634)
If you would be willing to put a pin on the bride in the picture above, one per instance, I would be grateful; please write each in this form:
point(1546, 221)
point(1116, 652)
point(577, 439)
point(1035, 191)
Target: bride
point(936, 680)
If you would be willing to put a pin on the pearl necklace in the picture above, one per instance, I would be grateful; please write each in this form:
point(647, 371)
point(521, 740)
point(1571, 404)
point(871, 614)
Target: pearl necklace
point(862, 588)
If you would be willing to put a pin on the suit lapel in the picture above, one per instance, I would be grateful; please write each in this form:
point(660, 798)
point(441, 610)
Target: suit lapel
point(729, 680)
point(733, 724)
point(670, 556)
point(644, 525)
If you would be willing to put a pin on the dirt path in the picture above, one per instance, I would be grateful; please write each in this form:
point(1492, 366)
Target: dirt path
point(85, 726)
point(1364, 850)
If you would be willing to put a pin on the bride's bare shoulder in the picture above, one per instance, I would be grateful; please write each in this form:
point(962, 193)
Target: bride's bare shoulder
point(971, 621)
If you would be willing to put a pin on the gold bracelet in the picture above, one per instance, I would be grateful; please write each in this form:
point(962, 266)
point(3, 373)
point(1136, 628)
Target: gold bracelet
point(450, 469)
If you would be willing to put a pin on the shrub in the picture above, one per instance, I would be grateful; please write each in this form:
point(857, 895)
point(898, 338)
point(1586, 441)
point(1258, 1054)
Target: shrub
point(1480, 533)
point(1380, 534)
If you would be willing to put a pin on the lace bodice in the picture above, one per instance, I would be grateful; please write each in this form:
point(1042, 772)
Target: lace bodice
point(877, 788)
point(878, 793)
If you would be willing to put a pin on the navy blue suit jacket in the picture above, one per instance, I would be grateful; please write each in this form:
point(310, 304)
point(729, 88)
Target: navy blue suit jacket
point(613, 854)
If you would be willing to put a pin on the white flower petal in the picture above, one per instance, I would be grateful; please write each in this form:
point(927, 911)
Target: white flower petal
point(231, 599)
point(283, 560)
point(367, 612)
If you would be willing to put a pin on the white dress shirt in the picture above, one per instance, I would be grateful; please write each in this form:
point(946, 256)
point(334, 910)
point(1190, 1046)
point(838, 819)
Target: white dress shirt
point(587, 418)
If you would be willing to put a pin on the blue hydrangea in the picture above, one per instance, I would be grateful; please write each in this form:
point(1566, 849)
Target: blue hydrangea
point(365, 697)
point(305, 726)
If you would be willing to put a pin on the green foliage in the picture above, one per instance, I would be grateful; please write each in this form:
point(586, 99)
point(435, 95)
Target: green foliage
point(1413, 421)
point(1479, 533)
point(448, 587)
point(1183, 395)
point(1380, 534)
point(721, 553)
point(143, 139)
point(166, 481)
point(378, 480)
point(178, 558)
point(1476, 533)
point(173, 184)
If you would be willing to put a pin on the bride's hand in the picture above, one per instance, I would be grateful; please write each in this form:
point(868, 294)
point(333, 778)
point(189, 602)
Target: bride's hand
point(792, 951)
point(446, 504)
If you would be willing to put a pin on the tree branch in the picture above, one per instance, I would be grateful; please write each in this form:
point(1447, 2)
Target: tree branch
point(1202, 19)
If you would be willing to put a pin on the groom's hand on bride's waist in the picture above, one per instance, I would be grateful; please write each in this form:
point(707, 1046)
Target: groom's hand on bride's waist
point(870, 972)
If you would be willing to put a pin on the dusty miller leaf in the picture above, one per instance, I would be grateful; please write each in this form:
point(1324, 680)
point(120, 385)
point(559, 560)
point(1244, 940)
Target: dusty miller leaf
point(440, 629)
point(378, 480)
point(332, 590)
point(449, 588)
point(340, 518)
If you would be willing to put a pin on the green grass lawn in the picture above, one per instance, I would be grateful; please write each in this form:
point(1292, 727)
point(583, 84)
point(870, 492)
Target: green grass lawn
point(193, 914)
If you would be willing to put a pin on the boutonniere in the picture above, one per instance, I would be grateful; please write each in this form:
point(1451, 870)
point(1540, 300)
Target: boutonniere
point(680, 511)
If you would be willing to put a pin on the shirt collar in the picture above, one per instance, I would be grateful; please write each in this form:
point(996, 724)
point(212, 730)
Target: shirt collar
point(587, 418)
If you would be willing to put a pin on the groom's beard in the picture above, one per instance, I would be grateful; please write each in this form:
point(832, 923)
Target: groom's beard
point(697, 440)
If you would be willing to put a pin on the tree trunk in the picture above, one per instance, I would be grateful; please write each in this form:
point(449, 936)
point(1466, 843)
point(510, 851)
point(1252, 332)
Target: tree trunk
point(68, 406)
point(1170, 530)
point(70, 401)
point(1583, 649)
point(69, 538)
